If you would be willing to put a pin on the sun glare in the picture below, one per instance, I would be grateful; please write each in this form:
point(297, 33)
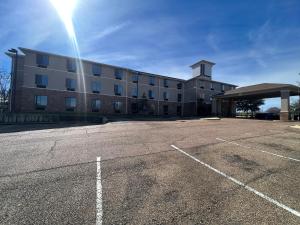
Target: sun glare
point(65, 10)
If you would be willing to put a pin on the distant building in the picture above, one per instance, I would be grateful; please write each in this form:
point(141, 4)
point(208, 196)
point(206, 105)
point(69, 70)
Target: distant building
point(52, 83)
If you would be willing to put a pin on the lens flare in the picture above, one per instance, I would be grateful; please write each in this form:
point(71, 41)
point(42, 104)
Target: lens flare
point(65, 9)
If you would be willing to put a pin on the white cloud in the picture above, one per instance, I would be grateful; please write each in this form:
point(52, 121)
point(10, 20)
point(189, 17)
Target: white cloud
point(109, 31)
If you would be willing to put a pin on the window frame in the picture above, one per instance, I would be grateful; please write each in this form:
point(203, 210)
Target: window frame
point(152, 80)
point(94, 103)
point(135, 78)
point(98, 85)
point(166, 83)
point(71, 81)
point(117, 106)
point(118, 89)
point(70, 107)
point(42, 78)
point(42, 60)
point(165, 96)
point(96, 72)
point(70, 64)
point(179, 97)
point(119, 74)
point(151, 94)
point(40, 106)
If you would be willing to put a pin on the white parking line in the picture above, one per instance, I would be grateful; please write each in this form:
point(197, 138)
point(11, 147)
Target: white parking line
point(296, 213)
point(244, 146)
point(99, 211)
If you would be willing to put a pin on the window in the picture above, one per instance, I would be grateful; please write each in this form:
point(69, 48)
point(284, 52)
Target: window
point(166, 96)
point(179, 86)
point(179, 97)
point(119, 74)
point(223, 87)
point(118, 89)
point(96, 104)
point(202, 69)
point(134, 107)
point(41, 102)
point(70, 84)
point(202, 96)
point(179, 110)
point(41, 81)
point(152, 80)
point(151, 94)
point(71, 65)
point(201, 84)
point(212, 86)
point(166, 83)
point(42, 60)
point(96, 86)
point(70, 103)
point(134, 92)
point(96, 69)
point(135, 78)
point(166, 109)
point(117, 107)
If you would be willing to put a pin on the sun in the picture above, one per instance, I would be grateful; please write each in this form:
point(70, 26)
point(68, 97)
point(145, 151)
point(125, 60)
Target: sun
point(65, 9)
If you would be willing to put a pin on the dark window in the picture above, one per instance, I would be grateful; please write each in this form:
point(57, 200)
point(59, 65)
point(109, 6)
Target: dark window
point(166, 109)
point(223, 87)
point(179, 109)
point(71, 65)
point(179, 86)
point(70, 103)
point(118, 89)
point(166, 96)
point(41, 81)
point(42, 60)
point(179, 97)
point(41, 102)
point(70, 84)
point(134, 107)
point(96, 104)
point(212, 86)
point(152, 80)
point(96, 87)
point(119, 74)
point(134, 93)
point(166, 83)
point(96, 69)
point(117, 107)
point(202, 69)
point(151, 94)
point(135, 78)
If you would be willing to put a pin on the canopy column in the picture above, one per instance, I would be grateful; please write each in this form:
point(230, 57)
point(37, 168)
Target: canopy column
point(285, 105)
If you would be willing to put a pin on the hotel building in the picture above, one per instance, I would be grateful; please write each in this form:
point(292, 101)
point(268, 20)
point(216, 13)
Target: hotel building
point(53, 83)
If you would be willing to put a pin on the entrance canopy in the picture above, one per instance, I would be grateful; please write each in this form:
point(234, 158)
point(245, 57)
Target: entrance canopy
point(259, 91)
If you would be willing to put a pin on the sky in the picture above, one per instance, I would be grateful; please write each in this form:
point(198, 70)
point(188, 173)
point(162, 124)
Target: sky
point(250, 41)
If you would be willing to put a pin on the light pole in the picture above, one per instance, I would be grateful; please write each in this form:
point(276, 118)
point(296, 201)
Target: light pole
point(13, 80)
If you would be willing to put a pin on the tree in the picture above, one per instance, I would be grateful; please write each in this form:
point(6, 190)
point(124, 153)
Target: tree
point(247, 105)
point(295, 108)
point(274, 110)
point(4, 87)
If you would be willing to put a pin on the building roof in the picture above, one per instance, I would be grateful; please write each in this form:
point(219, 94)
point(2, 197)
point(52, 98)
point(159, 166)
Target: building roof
point(264, 90)
point(24, 50)
point(202, 61)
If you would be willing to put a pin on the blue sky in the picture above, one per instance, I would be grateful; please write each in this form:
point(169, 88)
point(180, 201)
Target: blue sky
point(250, 41)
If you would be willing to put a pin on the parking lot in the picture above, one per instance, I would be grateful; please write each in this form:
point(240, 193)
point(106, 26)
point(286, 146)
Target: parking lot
point(228, 171)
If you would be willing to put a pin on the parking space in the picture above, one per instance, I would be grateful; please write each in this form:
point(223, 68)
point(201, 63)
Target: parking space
point(217, 172)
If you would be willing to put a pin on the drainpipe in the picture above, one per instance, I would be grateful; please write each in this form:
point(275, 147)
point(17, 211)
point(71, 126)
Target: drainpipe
point(13, 81)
